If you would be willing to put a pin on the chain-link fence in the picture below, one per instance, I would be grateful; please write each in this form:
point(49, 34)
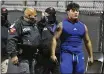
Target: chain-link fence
point(88, 7)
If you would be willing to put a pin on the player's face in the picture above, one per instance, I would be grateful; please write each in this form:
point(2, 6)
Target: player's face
point(73, 13)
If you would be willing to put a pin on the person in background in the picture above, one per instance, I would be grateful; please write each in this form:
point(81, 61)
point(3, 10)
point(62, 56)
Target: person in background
point(47, 26)
point(4, 36)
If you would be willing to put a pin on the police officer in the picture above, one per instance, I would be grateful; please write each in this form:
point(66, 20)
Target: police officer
point(4, 36)
point(47, 26)
point(23, 41)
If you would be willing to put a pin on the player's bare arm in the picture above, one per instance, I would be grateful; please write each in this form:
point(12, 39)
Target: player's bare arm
point(88, 44)
point(54, 42)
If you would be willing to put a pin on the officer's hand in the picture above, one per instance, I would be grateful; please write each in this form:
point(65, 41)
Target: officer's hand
point(54, 58)
point(90, 60)
point(14, 60)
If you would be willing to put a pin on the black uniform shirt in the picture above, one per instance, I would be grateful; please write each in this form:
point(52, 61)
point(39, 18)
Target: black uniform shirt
point(24, 35)
point(4, 36)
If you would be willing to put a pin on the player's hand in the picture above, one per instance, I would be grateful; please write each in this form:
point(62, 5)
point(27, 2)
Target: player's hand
point(90, 60)
point(53, 58)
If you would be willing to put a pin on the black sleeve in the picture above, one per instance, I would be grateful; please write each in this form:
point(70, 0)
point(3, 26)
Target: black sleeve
point(40, 26)
point(13, 36)
point(9, 24)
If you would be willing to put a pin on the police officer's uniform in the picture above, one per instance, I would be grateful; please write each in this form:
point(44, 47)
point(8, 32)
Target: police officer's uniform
point(47, 31)
point(4, 36)
point(23, 41)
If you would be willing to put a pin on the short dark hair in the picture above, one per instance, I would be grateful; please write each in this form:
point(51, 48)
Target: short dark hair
point(50, 10)
point(72, 5)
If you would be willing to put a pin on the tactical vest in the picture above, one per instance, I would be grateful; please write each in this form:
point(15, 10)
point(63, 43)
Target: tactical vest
point(46, 38)
point(30, 36)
